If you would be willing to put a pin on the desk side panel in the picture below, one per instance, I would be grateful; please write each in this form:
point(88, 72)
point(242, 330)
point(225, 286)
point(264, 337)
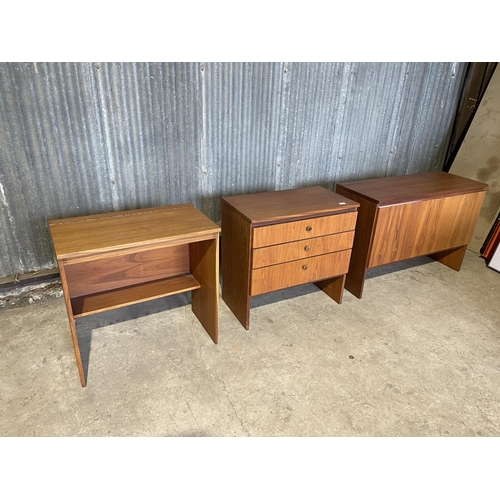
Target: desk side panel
point(204, 266)
point(72, 325)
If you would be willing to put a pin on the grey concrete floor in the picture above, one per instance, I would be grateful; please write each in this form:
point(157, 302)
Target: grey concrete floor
point(418, 355)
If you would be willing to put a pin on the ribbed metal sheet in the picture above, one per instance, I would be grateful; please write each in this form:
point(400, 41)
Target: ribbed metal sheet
point(83, 138)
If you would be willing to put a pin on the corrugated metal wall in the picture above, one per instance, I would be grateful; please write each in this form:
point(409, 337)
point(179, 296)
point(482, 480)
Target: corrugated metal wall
point(83, 138)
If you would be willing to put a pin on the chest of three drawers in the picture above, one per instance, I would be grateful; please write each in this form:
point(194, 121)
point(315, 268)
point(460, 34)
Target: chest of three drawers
point(276, 240)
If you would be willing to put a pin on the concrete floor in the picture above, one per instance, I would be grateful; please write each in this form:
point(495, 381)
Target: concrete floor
point(419, 355)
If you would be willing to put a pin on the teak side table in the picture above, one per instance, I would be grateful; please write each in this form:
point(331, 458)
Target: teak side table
point(409, 216)
point(279, 239)
point(121, 258)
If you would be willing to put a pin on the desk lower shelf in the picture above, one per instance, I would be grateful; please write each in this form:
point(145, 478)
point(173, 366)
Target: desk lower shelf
point(85, 305)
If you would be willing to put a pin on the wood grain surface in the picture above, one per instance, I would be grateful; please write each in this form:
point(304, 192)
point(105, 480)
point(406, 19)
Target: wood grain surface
point(303, 229)
point(333, 287)
point(408, 216)
point(235, 263)
point(279, 239)
point(72, 325)
point(134, 294)
point(276, 254)
point(124, 270)
point(80, 236)
point(298, 272)
point(451, 258)
point(122, 258)
point(363, 236)
point(262, 208)
point(413, 229)
point(204, 266)
point(415, 187)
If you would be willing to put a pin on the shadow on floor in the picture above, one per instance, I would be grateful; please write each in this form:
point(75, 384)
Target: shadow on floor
point(86, 325)
point(281, 295)
point(398, 266)
point(302, 290)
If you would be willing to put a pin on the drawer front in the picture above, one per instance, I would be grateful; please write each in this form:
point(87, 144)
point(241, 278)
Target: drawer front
point(303, 229)
point(298, 272)
point(277, 254)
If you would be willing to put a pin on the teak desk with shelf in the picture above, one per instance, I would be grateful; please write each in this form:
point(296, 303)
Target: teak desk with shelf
point(407, 216)
point(279, 239)
point(121, 258)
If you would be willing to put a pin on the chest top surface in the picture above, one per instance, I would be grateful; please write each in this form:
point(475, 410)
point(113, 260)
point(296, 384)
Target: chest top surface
point(115, 230)
point(414, 187)
point(290, 204)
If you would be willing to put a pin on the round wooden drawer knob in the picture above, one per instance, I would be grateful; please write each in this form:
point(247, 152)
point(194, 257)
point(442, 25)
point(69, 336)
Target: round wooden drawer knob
point(304, 267)
point(307, 248)
point(309, 229)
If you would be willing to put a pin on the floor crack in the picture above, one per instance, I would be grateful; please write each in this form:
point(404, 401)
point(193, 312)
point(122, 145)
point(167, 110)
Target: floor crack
point(226, 393)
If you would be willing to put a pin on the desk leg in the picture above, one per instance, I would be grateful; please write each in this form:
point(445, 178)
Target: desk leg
point(333, 287)
point(204, 264)
point(451, 258)
point(72, 325)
